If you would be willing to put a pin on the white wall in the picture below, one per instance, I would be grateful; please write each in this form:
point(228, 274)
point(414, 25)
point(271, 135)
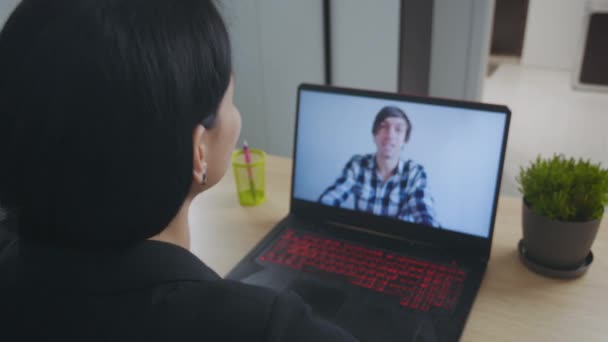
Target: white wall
point(365, 43)
point(242, 19)
point(553, 32)
point(460, 47)
point(6, 7)
point(277, 45)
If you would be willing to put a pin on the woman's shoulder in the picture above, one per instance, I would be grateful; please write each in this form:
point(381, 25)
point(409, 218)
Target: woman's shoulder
point(7, 230)
point(226, 293)
point(220, 309)
point(259, 313)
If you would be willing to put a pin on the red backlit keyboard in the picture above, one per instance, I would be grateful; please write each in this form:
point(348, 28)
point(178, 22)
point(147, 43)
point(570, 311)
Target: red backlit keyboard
point(419, 285)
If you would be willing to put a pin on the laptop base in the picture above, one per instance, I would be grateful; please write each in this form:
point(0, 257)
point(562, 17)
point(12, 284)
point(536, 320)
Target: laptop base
point(367, 314)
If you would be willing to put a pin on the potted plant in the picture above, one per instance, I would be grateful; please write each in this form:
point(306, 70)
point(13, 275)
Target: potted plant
point(563, 204)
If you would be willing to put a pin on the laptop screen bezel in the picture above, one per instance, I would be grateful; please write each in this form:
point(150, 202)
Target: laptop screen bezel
point(465, 244)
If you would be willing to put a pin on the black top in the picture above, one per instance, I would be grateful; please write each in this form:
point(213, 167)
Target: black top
point(153, 291)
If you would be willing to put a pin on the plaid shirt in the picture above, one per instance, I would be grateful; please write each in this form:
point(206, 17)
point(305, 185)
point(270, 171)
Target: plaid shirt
point(403, 195)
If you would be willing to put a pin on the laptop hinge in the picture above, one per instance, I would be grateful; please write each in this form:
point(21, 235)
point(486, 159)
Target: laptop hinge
point(384, 235)
point(482, 259)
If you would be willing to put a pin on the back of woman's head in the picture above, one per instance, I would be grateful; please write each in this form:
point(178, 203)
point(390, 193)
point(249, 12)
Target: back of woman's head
point(98, 102)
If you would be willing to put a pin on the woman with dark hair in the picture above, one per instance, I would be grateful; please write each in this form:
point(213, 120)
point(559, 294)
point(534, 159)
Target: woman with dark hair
point(114, 115)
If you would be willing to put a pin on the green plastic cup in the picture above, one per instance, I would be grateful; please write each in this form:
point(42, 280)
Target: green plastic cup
point(250, 178)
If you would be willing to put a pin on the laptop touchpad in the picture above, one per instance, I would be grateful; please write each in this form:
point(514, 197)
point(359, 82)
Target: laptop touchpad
point(325, 300)
point(369, 320)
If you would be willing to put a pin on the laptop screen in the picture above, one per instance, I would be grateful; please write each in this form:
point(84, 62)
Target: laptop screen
point(430, 164)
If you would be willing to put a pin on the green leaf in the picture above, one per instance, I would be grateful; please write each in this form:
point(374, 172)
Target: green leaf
point(565, 189)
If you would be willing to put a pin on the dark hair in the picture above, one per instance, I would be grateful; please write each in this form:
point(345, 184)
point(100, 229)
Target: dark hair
point(98, 103)
point(392, 112)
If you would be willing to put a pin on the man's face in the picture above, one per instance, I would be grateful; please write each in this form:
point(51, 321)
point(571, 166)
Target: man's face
point(390, 137)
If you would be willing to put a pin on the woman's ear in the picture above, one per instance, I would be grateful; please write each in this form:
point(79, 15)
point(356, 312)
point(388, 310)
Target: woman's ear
point(199, 165)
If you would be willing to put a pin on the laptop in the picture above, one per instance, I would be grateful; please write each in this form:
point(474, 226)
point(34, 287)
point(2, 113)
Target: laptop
point(392, 212)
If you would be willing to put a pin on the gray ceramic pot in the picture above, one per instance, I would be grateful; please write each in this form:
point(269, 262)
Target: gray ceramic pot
point(557, 244)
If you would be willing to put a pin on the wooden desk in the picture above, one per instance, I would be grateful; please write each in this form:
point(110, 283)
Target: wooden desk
point(514, 304)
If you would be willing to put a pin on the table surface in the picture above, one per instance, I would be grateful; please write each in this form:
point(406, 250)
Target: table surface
point(513, 302)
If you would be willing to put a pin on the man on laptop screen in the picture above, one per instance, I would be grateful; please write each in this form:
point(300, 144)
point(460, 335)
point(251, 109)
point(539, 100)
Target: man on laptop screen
point(384, 183)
